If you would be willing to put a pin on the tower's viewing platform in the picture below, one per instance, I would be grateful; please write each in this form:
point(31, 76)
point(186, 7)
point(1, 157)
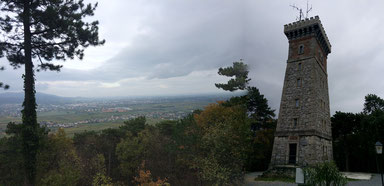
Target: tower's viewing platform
point(308, 27)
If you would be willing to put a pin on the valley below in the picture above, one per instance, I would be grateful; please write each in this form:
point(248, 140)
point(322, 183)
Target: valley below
point(82, 114)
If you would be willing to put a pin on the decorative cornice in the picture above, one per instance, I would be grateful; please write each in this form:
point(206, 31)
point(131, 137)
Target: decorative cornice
point(312, 132)
point(306, 27)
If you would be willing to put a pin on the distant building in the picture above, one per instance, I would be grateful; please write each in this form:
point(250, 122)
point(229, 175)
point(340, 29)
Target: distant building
point(303, 133)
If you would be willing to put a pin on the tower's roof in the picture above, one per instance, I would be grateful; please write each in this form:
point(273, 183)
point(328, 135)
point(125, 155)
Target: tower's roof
point(308, 26)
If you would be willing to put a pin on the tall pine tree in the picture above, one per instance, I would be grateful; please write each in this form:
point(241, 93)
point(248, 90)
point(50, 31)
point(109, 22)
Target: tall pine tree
point(39, 31)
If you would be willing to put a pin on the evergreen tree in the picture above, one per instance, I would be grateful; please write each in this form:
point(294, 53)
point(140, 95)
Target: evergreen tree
point(41, 31)
point(256, 103)
point(239, 71)
point(373, 103)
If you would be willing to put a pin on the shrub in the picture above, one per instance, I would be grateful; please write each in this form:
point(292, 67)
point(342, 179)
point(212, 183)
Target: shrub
point(324, 174)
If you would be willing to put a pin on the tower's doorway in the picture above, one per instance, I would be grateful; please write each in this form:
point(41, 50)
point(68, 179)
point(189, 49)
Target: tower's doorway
point(292, 153)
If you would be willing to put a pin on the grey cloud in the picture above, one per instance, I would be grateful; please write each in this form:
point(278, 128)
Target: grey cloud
point(178, 38)
point(187, 38)
point(183, 37)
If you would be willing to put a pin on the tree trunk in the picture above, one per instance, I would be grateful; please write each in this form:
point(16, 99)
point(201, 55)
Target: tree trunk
point(29, 129)
point(347, 162)
point(346, 154)
point(109, 164)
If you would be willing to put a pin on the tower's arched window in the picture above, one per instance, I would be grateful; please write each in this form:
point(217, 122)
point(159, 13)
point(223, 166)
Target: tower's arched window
point(299, 66)
point(301, 49)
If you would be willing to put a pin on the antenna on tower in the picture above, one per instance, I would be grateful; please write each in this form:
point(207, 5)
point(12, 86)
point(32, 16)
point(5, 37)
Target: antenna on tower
point(301, 14)
point(308, 10)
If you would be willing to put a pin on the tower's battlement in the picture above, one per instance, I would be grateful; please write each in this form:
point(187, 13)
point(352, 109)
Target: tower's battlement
point(307, 27)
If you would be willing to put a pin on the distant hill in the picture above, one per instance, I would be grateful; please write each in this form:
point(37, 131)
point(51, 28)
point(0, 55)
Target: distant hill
point(18, 98)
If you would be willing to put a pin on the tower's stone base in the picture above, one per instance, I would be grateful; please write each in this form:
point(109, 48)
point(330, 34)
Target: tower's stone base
point(310, 149)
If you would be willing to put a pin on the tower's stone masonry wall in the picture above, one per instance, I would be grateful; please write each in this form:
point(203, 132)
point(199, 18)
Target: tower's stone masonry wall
point(314, 150)
point(279, 151)
point(304, 118)
point(312, 113)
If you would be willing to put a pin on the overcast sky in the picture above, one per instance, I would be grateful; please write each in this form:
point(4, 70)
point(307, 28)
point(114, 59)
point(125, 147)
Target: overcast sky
point(173, 47)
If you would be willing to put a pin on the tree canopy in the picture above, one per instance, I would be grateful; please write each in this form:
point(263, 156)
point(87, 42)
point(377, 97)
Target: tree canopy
point(46, 30)
point(239, 71)
point(373, 103)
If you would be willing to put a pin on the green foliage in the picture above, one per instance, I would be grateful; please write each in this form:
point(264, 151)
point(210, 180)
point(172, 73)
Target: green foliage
point(239, 82)
point(130, 152)
point(179, 149)
point(11, 161)
point(257, 106)
point(102, 180)
point(109, 138)
point(18, 134)
point(354, 136)
point(134, 126)
point(373, 103)
point(262, 124)
point(166, 127)
point(58, 163)
point(165, 149)
point(261, 116)
point(145, 178)
point(208, 147)
point(225, 134)
point(149, 146)
point(65, 175)
point(346, 128)
point(345, 124)
point(97, 153)
point(260, 149)
point(88, 148)
point(324, 174)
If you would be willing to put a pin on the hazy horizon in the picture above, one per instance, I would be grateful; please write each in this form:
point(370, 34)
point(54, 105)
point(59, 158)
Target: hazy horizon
point(129, 96)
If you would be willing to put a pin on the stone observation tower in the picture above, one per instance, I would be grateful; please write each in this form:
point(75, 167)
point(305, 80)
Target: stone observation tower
point(303, 133)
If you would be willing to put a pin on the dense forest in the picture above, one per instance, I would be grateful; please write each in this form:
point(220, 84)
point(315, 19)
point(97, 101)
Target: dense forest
point(355, 134)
